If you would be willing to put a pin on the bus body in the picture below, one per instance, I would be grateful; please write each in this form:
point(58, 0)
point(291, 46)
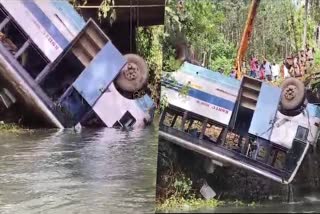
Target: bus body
point(236, 122)
point(63, 68)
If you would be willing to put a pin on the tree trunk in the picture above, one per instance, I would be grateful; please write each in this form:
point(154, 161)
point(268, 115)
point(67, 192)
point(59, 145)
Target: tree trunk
point(294, 33)
point(304, 39)
point(318, 35)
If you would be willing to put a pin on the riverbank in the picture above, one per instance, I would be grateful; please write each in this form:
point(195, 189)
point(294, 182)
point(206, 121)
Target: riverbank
point(182, 173)
point(188, 205)
point(12, 128)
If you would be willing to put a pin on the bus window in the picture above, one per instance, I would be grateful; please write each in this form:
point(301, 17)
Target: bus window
point(62, 76)
point(213, 132)
point(278, 158)
point(302, 133)
point(127, 120)
point(18, 44)
point(32, 66)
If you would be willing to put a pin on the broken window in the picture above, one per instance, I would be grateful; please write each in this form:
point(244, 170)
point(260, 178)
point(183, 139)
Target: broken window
point(213, 131)
point(62, 76)
point(15, 40)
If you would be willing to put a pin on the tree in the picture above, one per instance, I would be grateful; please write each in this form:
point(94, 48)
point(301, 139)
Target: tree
point(214, 27)
point(305, 24)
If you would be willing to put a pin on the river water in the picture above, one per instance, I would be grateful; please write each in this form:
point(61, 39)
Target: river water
point(91, 171)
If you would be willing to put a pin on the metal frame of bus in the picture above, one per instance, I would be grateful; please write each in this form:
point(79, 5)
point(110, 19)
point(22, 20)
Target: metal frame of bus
point(31, 88)
point(178, 132)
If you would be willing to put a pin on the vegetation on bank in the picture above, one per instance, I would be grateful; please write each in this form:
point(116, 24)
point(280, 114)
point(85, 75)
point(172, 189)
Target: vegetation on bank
point(12, 128)
point(181, 195)
point(149, 46)
point(179, 204)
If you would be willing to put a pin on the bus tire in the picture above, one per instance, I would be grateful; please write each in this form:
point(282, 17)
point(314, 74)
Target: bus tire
point(134, 75)
point(293, 94)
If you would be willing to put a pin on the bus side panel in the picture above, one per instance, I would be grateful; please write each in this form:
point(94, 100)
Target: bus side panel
point(100, 73)
point(64, 24)
point(204, 96)
point(51, 25)
point(203, 104)
point(265, 113)
point(70, 16)
point(212, 76)
point(206, 86)
point(112, 106)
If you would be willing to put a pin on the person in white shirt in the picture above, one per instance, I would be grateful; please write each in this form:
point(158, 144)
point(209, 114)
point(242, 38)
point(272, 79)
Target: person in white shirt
point(285, 71)
point(275, 70)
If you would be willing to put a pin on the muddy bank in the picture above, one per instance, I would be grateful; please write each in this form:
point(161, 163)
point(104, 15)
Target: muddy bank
point(229, 183)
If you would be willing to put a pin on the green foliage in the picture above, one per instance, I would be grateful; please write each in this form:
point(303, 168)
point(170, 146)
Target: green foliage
point(149, 46)
point(106, 11)
point(179, 204)
point(222, 63)
point(182, 198)
point(215, 27)
point(12, 128)
point(184, 91)
point(317, 58)
point(192, 204)
point(163, 103)
point(182, 186)
point(198, 23)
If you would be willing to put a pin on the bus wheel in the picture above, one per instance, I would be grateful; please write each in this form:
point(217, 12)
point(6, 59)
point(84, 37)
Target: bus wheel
point(134, 75)
point(292, 95)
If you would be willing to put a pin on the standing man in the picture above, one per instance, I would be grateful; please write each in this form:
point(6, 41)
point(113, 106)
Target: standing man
point(253, 67)
point(275, 69)
point(267, 70)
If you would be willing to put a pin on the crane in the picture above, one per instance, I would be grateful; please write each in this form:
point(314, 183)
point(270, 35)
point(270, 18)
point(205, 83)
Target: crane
point(246, 35)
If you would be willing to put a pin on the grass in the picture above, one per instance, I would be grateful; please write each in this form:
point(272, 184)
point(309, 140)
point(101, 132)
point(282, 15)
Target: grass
point(11, 128)
point(181, 204)
point(174, 203)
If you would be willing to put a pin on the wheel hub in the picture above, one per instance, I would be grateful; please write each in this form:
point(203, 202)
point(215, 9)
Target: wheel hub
point(131, 72)
point(290, 92)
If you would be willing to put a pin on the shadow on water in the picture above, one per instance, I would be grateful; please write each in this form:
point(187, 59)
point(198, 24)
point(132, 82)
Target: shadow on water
point(94, 171)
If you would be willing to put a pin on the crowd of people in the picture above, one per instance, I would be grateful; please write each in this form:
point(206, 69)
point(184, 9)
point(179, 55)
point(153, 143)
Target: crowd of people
point(265, 70)
point(294, 65)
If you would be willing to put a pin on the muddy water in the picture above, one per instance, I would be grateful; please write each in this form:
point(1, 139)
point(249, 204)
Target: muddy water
point(92, 171)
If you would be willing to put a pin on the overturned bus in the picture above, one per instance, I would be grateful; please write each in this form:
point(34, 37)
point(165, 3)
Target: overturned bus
point(66, 70)
point(249, 124)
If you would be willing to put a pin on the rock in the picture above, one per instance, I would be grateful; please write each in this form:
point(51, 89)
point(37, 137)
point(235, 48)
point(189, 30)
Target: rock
point(207, 192)
point(78, 128)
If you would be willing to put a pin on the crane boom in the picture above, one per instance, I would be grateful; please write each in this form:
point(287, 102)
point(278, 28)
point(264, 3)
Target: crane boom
point(246, 35)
